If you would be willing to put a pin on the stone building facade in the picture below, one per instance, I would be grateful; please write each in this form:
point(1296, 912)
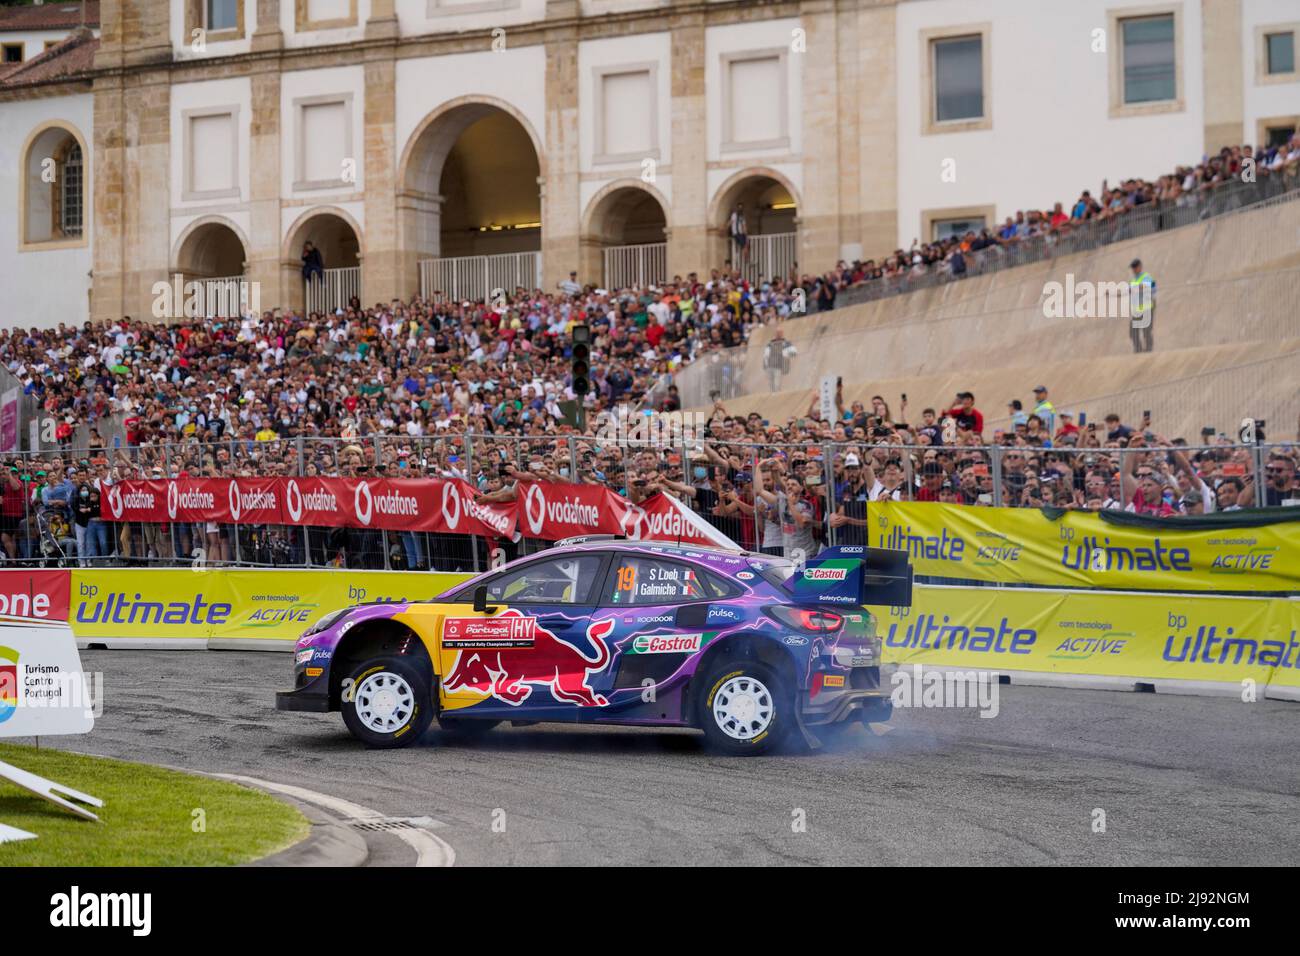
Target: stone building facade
point(456, 144)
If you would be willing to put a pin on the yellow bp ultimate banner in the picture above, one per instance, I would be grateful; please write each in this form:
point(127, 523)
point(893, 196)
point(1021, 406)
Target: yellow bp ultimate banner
point(1153, 636)
point(230, 603)
point(1079, 549)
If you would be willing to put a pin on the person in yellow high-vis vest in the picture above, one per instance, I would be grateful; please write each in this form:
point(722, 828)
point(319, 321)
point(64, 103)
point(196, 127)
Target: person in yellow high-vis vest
point(1142, 307)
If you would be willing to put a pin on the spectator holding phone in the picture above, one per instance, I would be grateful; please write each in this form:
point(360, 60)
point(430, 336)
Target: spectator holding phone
point(966, 414)
point(796, 514)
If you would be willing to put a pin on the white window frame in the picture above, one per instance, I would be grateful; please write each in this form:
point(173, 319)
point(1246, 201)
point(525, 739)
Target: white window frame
point(729, 143)
point(930, 39)
point(301, 183)
point(188, 192)
point(1115, 20)
point(442, 8)
point(600, 153)
point(1262, 33)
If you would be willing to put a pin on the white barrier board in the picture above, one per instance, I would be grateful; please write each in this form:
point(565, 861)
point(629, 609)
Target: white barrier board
point(43, 691)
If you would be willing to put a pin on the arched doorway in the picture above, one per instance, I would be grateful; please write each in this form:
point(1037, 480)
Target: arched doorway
point(470, 205)
point(770, 210)
point(211, 250)
point(624, 237)
point(334, 275)
point(55, 176)
point(212, 255)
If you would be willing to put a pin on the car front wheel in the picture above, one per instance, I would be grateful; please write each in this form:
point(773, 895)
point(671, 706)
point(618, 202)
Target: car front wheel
point(747, 708)
point(386, 702)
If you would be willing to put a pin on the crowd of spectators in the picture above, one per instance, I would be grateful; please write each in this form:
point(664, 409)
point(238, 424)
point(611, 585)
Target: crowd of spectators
point(1101, 217)
point(483, 391)
point(408, 368)
point(780, 487)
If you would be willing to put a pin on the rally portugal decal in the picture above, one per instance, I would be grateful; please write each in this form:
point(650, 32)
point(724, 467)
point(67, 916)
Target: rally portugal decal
point(510, 671)
point(463, 633)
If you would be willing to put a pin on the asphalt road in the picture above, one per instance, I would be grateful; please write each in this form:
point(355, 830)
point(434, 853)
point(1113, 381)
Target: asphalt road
point(1181, 780)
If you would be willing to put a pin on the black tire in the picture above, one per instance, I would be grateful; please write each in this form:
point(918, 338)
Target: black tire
point(411, 710)
point(467, 727)
point(767, 691)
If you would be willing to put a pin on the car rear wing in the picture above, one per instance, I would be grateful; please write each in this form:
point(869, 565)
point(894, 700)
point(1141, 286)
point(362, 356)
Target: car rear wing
point(853, 575)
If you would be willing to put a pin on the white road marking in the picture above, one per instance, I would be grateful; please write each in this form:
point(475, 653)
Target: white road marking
point(430, 849)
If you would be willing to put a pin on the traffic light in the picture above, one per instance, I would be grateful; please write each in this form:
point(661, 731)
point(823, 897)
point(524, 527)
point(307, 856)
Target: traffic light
point(581, 360)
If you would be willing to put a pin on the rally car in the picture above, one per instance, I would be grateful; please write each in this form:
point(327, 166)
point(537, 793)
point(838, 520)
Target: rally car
point(753, 650)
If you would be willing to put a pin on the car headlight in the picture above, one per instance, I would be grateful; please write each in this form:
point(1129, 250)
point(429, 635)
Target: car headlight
point(328, 621)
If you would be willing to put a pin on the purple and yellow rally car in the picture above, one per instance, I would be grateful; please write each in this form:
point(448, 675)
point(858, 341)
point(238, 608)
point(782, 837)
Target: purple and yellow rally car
point(754, 650)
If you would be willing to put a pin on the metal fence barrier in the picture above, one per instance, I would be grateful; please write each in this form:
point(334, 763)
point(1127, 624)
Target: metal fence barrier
point(765, 496)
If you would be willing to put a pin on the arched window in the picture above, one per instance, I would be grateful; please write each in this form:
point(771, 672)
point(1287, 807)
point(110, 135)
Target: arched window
point(71, 192)
point(54, 188)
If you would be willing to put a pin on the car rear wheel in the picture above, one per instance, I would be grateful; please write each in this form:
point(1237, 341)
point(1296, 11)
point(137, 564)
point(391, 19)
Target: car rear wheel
point(386, 703)
point(747, 709)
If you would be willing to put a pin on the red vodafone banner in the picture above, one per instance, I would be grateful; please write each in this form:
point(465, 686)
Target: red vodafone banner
point(542, 509)
point(662, 517)
point(250, 501)
point(489, 518)
point(37, 593)
point(226, 500)
point(555, 510)
point(449, 506)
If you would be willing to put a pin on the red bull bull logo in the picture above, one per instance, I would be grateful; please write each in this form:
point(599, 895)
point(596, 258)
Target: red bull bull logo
point(510, 673)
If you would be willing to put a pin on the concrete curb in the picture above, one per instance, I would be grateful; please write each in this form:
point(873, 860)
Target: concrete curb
point(329, 842)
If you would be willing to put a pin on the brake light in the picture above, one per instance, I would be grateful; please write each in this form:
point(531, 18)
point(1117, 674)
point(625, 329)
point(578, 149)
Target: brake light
point(812, 620)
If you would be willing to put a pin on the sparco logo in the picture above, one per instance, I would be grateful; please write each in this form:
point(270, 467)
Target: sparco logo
point(537, 510)
point(451, 505)
point(825, 574)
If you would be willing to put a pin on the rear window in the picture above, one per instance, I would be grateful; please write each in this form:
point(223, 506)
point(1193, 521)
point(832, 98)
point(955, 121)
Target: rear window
point(776, 573)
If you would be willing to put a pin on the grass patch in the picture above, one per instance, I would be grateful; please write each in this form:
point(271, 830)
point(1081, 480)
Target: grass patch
point(148, 816)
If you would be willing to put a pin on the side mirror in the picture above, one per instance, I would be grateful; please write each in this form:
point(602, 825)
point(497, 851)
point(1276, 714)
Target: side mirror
point(481, 601)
